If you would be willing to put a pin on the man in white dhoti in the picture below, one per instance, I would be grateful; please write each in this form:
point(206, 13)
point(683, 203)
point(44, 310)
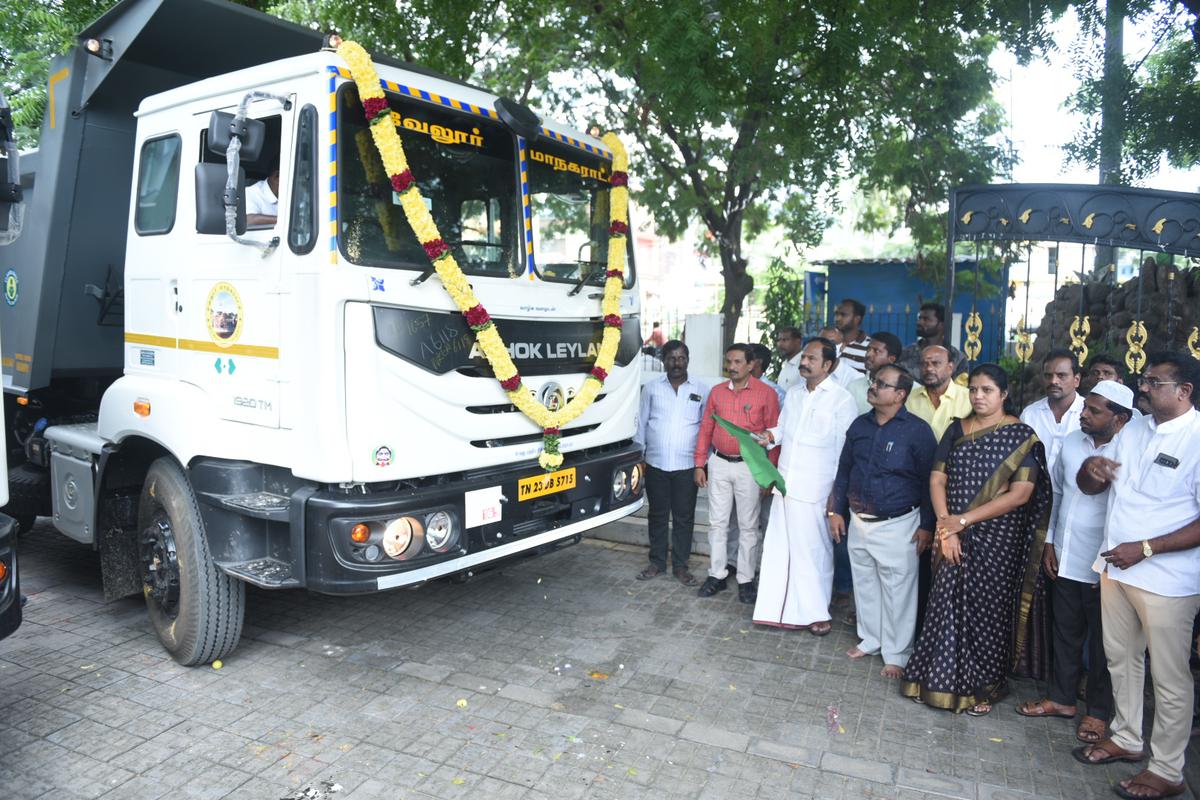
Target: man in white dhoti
point(797, 563)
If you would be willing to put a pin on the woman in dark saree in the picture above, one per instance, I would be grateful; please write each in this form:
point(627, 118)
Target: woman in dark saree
point(991, 492)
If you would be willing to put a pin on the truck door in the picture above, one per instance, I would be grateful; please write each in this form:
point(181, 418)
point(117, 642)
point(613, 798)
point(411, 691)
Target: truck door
point(229, 326)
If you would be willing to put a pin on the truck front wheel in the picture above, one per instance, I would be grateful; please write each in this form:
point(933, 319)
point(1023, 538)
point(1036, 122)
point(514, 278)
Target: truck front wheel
point(196, 609)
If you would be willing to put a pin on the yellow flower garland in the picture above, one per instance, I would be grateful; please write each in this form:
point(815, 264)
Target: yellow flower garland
point(391, 151)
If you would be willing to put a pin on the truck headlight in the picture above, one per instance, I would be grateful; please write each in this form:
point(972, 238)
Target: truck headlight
point(440, 531)
point(620, 484)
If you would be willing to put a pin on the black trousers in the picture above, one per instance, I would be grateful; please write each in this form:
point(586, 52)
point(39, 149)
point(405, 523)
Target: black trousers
point(1076, 612)
point(672, 495)
point(924, 583)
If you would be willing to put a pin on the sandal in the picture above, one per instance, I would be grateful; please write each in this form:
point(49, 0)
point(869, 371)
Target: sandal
point(979, 710)
point(1109, 752)
point(820, 628)
point(1091, 729)
point(1159, 787)
point(1048, 708)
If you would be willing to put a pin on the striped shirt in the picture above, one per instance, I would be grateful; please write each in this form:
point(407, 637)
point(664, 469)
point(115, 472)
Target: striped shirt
point(754, 407)
point(854, 353)
point(669, 421)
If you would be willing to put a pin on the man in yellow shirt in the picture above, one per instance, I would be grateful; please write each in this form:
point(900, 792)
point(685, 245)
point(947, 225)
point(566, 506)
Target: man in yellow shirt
point(938, 400)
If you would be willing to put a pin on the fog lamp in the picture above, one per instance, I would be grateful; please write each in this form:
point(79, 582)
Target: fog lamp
point(398, 536)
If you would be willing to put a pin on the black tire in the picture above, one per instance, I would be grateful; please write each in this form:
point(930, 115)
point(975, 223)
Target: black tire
point(28, 495)
point(195, 608)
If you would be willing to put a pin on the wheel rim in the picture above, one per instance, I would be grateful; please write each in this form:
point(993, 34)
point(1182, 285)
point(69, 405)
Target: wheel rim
point(160, 565)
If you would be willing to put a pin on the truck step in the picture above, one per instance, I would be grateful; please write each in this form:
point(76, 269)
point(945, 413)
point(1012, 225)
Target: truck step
point(267, 573)
point(260, 505)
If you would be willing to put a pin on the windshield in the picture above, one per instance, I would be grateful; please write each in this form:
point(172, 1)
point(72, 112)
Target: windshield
point(569, 190)
point(465, 167)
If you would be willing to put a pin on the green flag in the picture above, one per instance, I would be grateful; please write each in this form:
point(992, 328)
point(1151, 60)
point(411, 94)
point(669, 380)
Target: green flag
point(755, 456)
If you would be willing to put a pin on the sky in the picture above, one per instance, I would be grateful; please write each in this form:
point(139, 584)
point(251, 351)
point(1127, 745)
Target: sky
point(1039, 124)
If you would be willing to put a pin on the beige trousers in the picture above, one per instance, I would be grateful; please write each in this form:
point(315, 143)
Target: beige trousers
point(1134, 620)
point(730, 481)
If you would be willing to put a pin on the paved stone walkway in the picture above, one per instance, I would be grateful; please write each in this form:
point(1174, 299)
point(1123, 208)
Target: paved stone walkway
point(558, 677)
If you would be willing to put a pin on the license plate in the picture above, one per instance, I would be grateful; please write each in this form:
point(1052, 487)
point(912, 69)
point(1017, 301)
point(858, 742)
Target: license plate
point(549, 483)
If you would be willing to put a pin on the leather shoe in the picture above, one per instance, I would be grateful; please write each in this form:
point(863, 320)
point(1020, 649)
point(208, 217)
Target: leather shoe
point(711, 586)
point(747, 592)
point(652, 571)
point(683, 576)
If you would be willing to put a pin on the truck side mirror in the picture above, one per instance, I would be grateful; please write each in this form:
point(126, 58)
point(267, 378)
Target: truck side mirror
point(210, 199)
point(221, 127)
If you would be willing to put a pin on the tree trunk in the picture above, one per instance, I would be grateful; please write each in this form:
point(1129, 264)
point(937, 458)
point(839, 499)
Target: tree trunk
point(1112, 116)
point(738, 283)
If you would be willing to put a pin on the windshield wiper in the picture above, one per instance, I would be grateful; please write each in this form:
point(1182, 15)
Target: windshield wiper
point(586, 276)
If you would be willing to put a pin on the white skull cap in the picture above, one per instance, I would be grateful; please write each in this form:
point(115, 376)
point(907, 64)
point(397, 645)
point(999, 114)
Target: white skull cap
point(1118, 393)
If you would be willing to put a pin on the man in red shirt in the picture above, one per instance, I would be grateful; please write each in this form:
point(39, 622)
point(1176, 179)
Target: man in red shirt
point(748, 403)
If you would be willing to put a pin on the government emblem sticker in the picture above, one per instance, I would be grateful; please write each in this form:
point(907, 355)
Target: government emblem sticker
point(11, 287)
point(225, 314)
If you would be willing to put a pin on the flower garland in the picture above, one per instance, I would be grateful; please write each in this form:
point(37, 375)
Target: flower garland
point(391, 151)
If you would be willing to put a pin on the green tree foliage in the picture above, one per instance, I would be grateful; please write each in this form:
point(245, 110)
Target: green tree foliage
point(1155, 100)
point(746, 114)
point(35, 31)
point(783, 302)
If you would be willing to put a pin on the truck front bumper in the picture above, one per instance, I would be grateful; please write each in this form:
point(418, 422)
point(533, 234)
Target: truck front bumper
point(336, 564)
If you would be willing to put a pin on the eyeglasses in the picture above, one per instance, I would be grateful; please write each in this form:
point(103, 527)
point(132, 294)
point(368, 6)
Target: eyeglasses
point(878, 384)
point(1154, 383)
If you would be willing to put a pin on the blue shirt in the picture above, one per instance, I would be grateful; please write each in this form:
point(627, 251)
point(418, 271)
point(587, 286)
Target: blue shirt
point(779, 390)
point(669, 422)
point(885, 471)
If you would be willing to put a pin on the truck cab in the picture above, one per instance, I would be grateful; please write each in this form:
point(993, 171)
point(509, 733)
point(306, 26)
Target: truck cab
point(291, 399)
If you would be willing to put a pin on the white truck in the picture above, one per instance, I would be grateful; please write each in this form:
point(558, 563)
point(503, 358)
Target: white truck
point(295, 402)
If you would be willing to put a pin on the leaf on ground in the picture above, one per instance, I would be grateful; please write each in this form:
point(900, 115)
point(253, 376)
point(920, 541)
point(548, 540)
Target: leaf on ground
point(995, 740)
point(600, 676)
point(631, 771)
point(458, 781)
point(461, 703)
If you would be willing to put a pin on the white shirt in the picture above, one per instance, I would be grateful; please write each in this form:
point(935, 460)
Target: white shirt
point(844, 373)
point(669, 422)
point(789, 373)
point(1052, 432)
point(1077, 519)
point(811, 431)
point(1150, 498)
point(261, 200)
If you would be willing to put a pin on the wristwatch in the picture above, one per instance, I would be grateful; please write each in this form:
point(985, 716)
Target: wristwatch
point(1147, 550)
point(962, 521)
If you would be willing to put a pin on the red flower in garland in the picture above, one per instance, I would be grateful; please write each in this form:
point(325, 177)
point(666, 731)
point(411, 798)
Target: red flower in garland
point(614, 273)
point(374, 106)
point(613, 320)
point(551, 431)
point(599, 373)
point(618, 228)
point(435, 249)
point(403, 181)
point(511, 384)
point(477, 316)
point(619, 179)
